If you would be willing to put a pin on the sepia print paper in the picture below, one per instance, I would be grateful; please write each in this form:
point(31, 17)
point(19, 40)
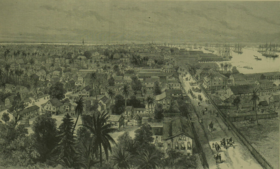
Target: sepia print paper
point(148, 84)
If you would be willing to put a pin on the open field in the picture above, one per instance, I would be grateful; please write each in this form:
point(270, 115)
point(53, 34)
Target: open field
point(264, 137)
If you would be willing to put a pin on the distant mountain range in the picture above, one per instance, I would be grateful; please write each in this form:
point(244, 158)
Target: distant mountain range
point(124, 21)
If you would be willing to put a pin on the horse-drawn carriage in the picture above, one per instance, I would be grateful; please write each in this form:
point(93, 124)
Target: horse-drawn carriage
point(226, 143)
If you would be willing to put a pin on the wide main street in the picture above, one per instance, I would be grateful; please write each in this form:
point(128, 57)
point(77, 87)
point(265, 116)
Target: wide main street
point(236, 156)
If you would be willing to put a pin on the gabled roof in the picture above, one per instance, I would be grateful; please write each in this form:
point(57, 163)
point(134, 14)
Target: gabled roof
point(160, 97)
point(55, 102)
point(263, 103)
point(242, 89)
point(177, 127)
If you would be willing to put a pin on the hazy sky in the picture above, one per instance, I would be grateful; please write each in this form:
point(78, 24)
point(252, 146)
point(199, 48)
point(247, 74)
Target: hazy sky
point(164, 21)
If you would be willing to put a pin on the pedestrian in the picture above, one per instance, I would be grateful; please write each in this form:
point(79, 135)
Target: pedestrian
point(203, 113)
point(213, 145)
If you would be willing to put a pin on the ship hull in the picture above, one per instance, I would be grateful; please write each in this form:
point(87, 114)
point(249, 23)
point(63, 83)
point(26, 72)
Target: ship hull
point(270, 55)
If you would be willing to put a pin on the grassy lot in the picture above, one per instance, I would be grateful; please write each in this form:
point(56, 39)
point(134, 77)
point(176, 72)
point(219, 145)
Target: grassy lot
point(265, 138)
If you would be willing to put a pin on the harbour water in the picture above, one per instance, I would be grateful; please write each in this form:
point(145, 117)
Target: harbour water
point(259, 66)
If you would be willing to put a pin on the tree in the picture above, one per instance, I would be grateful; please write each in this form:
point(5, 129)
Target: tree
point(65, 148)
point(254, 99)
point(116, 68)
point(5, 117)
point(96, 124)
point(87, 54)
point(78, 111)
point(111, 94)
point(88, 154)
point(45, 133)
point(16, 148)
point(144, 135)
point(57, 91)
point(222, 66)
point(121, 158)
point(125, 92)
point(150, 102)
point(124, 140)
point(234, 70)
point(16, 108)
point(157, 89)
point(136, 84)
point(119, 106)
point(236, 102)
point(149, 160)
point(111, 81)
point(158, 112)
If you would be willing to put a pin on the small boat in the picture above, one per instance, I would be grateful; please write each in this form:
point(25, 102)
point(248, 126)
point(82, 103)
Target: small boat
point(258, 58)
point(247, 67)
point(255, 56)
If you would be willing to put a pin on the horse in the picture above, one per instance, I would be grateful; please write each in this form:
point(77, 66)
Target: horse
point(218, 158)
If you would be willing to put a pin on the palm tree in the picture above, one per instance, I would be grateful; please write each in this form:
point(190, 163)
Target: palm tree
point(78, 111)
point(150, 102)
point(229, 66)
point(7, 68)
point(226, 66)
point(96, 124)
point(222, 66)
point(111, 94)
point(121, 158)
point(125, 92)
point(149, 160)
point(254, 99)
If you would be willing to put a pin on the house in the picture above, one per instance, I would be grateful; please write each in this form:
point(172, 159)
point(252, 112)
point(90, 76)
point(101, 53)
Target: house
point(9, 100)
point(173, 84)
point(31, 111)
point(163, 100)
point(151, 62)
point(116, 120)
point(243, 89)
point(104, 104)
point(274, 101)
point(139, 111)
point(215, 81)
point(80, 81)
point(53, 106)
point(67, 105)
point(42, 75)
point(168, 69)
point(175, 134)
point(263, 105)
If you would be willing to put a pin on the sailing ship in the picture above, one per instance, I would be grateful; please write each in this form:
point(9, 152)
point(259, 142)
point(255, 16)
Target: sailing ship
point(238, 49)
point(270, 51)
point(262, 48)
point(224, 51)
point(194, 46)
point(206, 46)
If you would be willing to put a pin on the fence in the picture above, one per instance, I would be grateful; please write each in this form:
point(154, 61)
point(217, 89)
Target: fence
point(228, 123)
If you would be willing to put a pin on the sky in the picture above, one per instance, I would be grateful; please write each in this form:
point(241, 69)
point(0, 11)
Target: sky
point(139, 21)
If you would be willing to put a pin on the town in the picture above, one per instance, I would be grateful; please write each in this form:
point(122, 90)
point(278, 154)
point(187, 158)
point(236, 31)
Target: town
point(135, 106)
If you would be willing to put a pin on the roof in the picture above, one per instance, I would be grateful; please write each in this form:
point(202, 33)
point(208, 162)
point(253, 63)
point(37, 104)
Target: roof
point(263, 103)
point(169, 92)
point(29, 109)
point(242, 89)
point(128, 108)
point(276, 98)
point(150, 80)
point(161, 96)
point(104, 99)
point(176, 127)
point(55, 102)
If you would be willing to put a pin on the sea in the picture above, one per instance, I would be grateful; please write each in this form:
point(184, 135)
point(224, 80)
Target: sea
point(259, 66)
